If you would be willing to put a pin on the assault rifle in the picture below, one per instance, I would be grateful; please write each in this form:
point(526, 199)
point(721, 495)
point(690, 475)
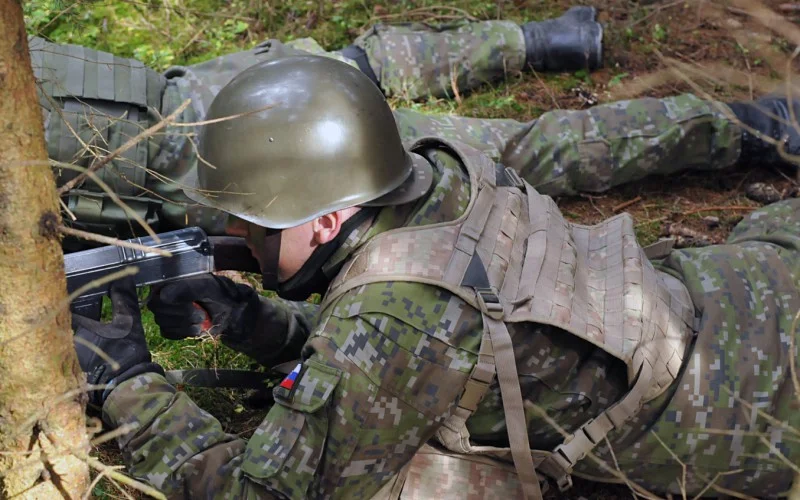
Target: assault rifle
point(193, 253)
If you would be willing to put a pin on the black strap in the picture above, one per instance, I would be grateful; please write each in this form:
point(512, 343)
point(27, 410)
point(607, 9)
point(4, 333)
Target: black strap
point(238, 379)
point(358, 55)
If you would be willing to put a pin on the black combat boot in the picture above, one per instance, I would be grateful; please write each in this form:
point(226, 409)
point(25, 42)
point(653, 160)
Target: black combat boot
point(571, 42)
point(768, 116)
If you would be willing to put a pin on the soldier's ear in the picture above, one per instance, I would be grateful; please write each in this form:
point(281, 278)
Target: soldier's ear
point(326, 227)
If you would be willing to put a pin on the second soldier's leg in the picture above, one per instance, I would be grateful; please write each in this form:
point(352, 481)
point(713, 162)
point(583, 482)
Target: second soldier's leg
point(489, 135)
point(565, 152)
point(416, 60)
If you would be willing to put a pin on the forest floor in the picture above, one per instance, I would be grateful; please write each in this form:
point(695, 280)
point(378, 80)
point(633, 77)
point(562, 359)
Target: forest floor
point(651, 49)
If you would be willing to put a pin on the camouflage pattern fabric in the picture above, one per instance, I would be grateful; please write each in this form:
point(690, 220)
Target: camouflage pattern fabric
point(385, 364)
point(570, 151)
point(416, 60)
point(562, 152)
point(737, 378)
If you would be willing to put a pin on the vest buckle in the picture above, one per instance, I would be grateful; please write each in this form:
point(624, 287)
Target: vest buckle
point(514, 178)
point(489, 302)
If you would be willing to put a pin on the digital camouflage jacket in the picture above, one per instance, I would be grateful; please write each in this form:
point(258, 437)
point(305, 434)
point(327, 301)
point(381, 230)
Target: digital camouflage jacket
point(385, 364)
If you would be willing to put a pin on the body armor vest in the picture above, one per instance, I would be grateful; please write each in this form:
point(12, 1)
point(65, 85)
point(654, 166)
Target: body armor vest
point(513, 256)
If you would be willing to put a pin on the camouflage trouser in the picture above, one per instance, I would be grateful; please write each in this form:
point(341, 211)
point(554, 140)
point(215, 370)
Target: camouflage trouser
point(566, 152)
point(418, 60)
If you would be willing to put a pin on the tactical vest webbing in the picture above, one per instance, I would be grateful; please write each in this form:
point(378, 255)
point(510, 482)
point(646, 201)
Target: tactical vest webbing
point(514, 257)
point(93, 102)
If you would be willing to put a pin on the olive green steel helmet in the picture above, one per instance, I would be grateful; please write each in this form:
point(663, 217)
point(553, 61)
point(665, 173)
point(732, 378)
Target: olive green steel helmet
point(315, 135)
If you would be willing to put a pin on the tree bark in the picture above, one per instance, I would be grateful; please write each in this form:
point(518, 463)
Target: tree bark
point(41, 410)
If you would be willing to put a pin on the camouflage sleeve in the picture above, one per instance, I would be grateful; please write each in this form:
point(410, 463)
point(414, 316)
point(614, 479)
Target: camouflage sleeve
point(379, 376)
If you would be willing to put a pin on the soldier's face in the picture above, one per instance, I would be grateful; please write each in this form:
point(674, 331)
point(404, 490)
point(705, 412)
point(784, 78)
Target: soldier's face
point(297, 243)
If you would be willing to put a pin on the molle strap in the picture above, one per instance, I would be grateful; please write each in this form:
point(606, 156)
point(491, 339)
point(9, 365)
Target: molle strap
point(98, 208)
point(516, 423)
point(499, 351)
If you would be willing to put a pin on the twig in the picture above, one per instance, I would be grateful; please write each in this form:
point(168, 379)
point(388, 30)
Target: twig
point(749, 70)
point(112, 241)
point(792, 365)
point(769, 18)
point(99, 466)
point(194, 38)
point(778, 453)
point(108, 359)
point(96, 480)
point(616, 466)
point(454, 85)
point(677, 459)
point(717, 208)
point(128, 145)
point(67, 210)
point(113, 196)
point(119, 431)
point(547, 88)
point(126, 271)
point(122, 478)
point(626, 204)
point(766, 416)
point(61, 13)
point(122, 490)
point(655, 11)
point(222, 118)
point(591, 202)
point(714, 481)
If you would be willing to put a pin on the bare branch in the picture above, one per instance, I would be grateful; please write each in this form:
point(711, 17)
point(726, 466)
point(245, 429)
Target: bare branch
point(128, 145)
point(112, 241)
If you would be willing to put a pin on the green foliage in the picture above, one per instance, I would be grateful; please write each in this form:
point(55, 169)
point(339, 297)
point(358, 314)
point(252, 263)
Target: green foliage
point(617, 79)
point(159, 34)
point(659, 33)
point(584, 75)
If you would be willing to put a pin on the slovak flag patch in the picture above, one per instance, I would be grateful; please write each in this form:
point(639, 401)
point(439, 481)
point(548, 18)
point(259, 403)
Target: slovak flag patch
point(291, 379)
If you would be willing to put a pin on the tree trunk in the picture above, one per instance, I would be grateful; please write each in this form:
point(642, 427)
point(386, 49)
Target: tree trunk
point(41, 413)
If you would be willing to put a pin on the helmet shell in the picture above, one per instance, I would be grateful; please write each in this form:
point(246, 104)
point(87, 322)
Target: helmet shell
point(298, 137)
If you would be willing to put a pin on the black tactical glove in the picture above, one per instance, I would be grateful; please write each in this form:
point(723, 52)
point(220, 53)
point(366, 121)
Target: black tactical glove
point(230, 307)
point(122, 340)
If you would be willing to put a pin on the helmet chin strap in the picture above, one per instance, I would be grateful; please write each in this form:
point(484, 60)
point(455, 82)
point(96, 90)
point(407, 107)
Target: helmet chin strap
point(267, 245)
point(311, 277)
